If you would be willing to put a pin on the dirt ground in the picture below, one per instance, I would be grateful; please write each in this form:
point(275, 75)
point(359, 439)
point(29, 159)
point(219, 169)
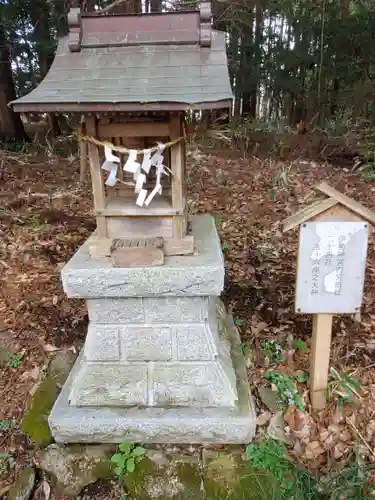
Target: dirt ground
point(45, 216)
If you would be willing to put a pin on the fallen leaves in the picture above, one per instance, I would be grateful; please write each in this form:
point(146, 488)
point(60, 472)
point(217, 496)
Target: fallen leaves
point(50, 348)
point(40, 231)
point(313, 450)
point(263, 418)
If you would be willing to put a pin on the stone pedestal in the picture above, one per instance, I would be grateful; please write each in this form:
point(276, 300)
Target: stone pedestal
point(161, 362)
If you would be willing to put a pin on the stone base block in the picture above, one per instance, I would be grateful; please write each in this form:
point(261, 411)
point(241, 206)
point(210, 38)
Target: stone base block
point(71, 424)
point(180, 276)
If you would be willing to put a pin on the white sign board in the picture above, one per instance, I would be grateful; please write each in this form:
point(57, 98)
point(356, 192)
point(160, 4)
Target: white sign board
point(331, 267)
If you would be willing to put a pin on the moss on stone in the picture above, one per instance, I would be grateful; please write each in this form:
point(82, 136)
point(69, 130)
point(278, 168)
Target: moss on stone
point(228, 477)
point(35, 423)
point(163, 477)
point(135, 481)
point(102, 469)
point(223, 469)
point(190, 477)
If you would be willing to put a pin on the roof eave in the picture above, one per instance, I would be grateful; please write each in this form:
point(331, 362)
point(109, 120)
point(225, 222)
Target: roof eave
point(20, 107)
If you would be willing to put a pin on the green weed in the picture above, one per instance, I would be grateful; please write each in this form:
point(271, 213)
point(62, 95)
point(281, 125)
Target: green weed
point(355, 481)
point(271, 456)
point(245, 348)
point(4, 425)
point(344, 386)
point(273, 350)
point(126, 458)
point(218, 220)
point(299, 344)
point(14, 360)
point(286, 388)
point(225, 246)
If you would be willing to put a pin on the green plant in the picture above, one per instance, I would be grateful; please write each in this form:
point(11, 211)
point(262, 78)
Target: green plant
point(4, 425)
point(126, 458)
point(14, 360)
point(273, 350)
point(299, 344)
point(245, 348)
point(225, 246)
point(239, 322)
point(218, 220)
point(271, 456)
point(286, 387)
point(344, 386)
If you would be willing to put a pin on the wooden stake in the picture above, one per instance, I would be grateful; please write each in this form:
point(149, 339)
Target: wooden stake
point(319, 361)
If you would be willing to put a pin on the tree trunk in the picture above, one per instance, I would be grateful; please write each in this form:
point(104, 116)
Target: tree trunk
point(335, 96)
point(345, 8)
point(246, 104)
point(155, 5)
point(41, 19)
point(89, 5)
point(256, 59)
point(11, 126)
point(246, 76)
point(336, 81)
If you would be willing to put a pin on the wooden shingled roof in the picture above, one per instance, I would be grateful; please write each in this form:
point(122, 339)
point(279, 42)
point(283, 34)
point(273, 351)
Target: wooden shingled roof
point(320, 206)
point(160, 61)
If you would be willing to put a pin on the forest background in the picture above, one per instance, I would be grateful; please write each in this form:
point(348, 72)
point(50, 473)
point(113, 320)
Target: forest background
point(290, 61)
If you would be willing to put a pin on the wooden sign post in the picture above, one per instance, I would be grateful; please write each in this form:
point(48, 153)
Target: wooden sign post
point(330, 272)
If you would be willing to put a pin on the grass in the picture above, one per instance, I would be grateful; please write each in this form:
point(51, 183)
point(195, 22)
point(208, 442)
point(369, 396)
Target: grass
point(271, 456)
point(355, 482)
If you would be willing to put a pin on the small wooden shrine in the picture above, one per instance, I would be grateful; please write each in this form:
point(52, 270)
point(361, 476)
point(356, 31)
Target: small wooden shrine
point(161, 361)
point(132, 78)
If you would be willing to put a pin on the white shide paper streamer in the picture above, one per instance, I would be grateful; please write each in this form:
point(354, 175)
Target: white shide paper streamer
point(111, 164)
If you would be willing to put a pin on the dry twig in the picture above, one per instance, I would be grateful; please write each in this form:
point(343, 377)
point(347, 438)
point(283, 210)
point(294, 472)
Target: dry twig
point(348, 421)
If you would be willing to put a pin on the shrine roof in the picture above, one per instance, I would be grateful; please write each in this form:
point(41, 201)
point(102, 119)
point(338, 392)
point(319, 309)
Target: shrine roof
point(168, 61)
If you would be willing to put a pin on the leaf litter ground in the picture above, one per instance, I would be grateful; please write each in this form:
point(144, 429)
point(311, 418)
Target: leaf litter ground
point(45, 216)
